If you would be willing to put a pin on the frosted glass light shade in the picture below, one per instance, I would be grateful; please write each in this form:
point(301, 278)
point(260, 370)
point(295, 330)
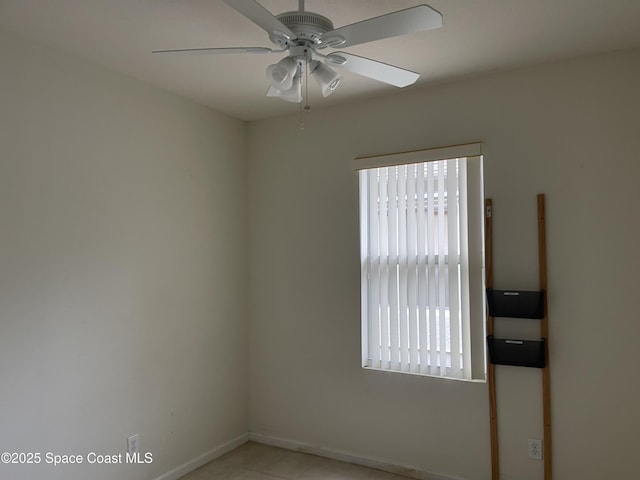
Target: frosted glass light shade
point(280, 75)
point(293, 95)
point(326, 77)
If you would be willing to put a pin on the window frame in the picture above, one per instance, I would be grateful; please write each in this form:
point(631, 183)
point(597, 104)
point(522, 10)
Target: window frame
point(475, 225)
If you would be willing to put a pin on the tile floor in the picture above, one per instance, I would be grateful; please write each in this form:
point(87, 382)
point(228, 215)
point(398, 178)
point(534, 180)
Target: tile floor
point(254, 461)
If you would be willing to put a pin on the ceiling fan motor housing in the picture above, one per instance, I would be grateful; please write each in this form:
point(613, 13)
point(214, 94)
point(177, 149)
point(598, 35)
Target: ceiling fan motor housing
point(308, 26)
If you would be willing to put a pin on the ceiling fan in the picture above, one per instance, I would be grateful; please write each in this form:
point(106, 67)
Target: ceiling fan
point(302, 34)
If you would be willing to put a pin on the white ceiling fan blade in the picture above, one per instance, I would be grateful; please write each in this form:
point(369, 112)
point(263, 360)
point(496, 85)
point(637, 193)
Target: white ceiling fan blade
point(214, 51)
point(403, 22)
point(261, 17)
point(366, 67)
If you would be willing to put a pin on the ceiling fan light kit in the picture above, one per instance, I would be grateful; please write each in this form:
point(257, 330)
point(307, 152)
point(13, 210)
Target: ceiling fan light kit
point(301, 34)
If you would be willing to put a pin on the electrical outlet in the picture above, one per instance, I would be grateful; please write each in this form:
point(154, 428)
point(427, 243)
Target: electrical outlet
point(132, 443)
point(535, 448)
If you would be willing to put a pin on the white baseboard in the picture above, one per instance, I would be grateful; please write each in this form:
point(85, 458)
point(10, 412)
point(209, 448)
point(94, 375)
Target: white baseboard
point(206, 457)
point(348, 457)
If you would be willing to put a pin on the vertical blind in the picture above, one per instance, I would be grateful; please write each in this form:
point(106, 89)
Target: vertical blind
point(415, 268)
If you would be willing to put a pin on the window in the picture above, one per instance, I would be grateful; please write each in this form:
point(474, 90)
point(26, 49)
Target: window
point(421, 260)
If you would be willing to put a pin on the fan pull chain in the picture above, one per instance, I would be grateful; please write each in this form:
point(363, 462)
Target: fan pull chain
point(300, 112)
point(307, 108)
point(301, 119)
point(306, 87)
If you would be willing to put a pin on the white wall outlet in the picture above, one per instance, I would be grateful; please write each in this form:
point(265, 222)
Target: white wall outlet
point(535, 448)
point(133, 443)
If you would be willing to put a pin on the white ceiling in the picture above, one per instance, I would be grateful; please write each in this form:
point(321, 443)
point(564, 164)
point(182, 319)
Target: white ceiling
point(478, 36)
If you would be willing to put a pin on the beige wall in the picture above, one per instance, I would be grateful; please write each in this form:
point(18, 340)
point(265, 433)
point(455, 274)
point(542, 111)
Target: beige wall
point(569, 130)
point(122, 268)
